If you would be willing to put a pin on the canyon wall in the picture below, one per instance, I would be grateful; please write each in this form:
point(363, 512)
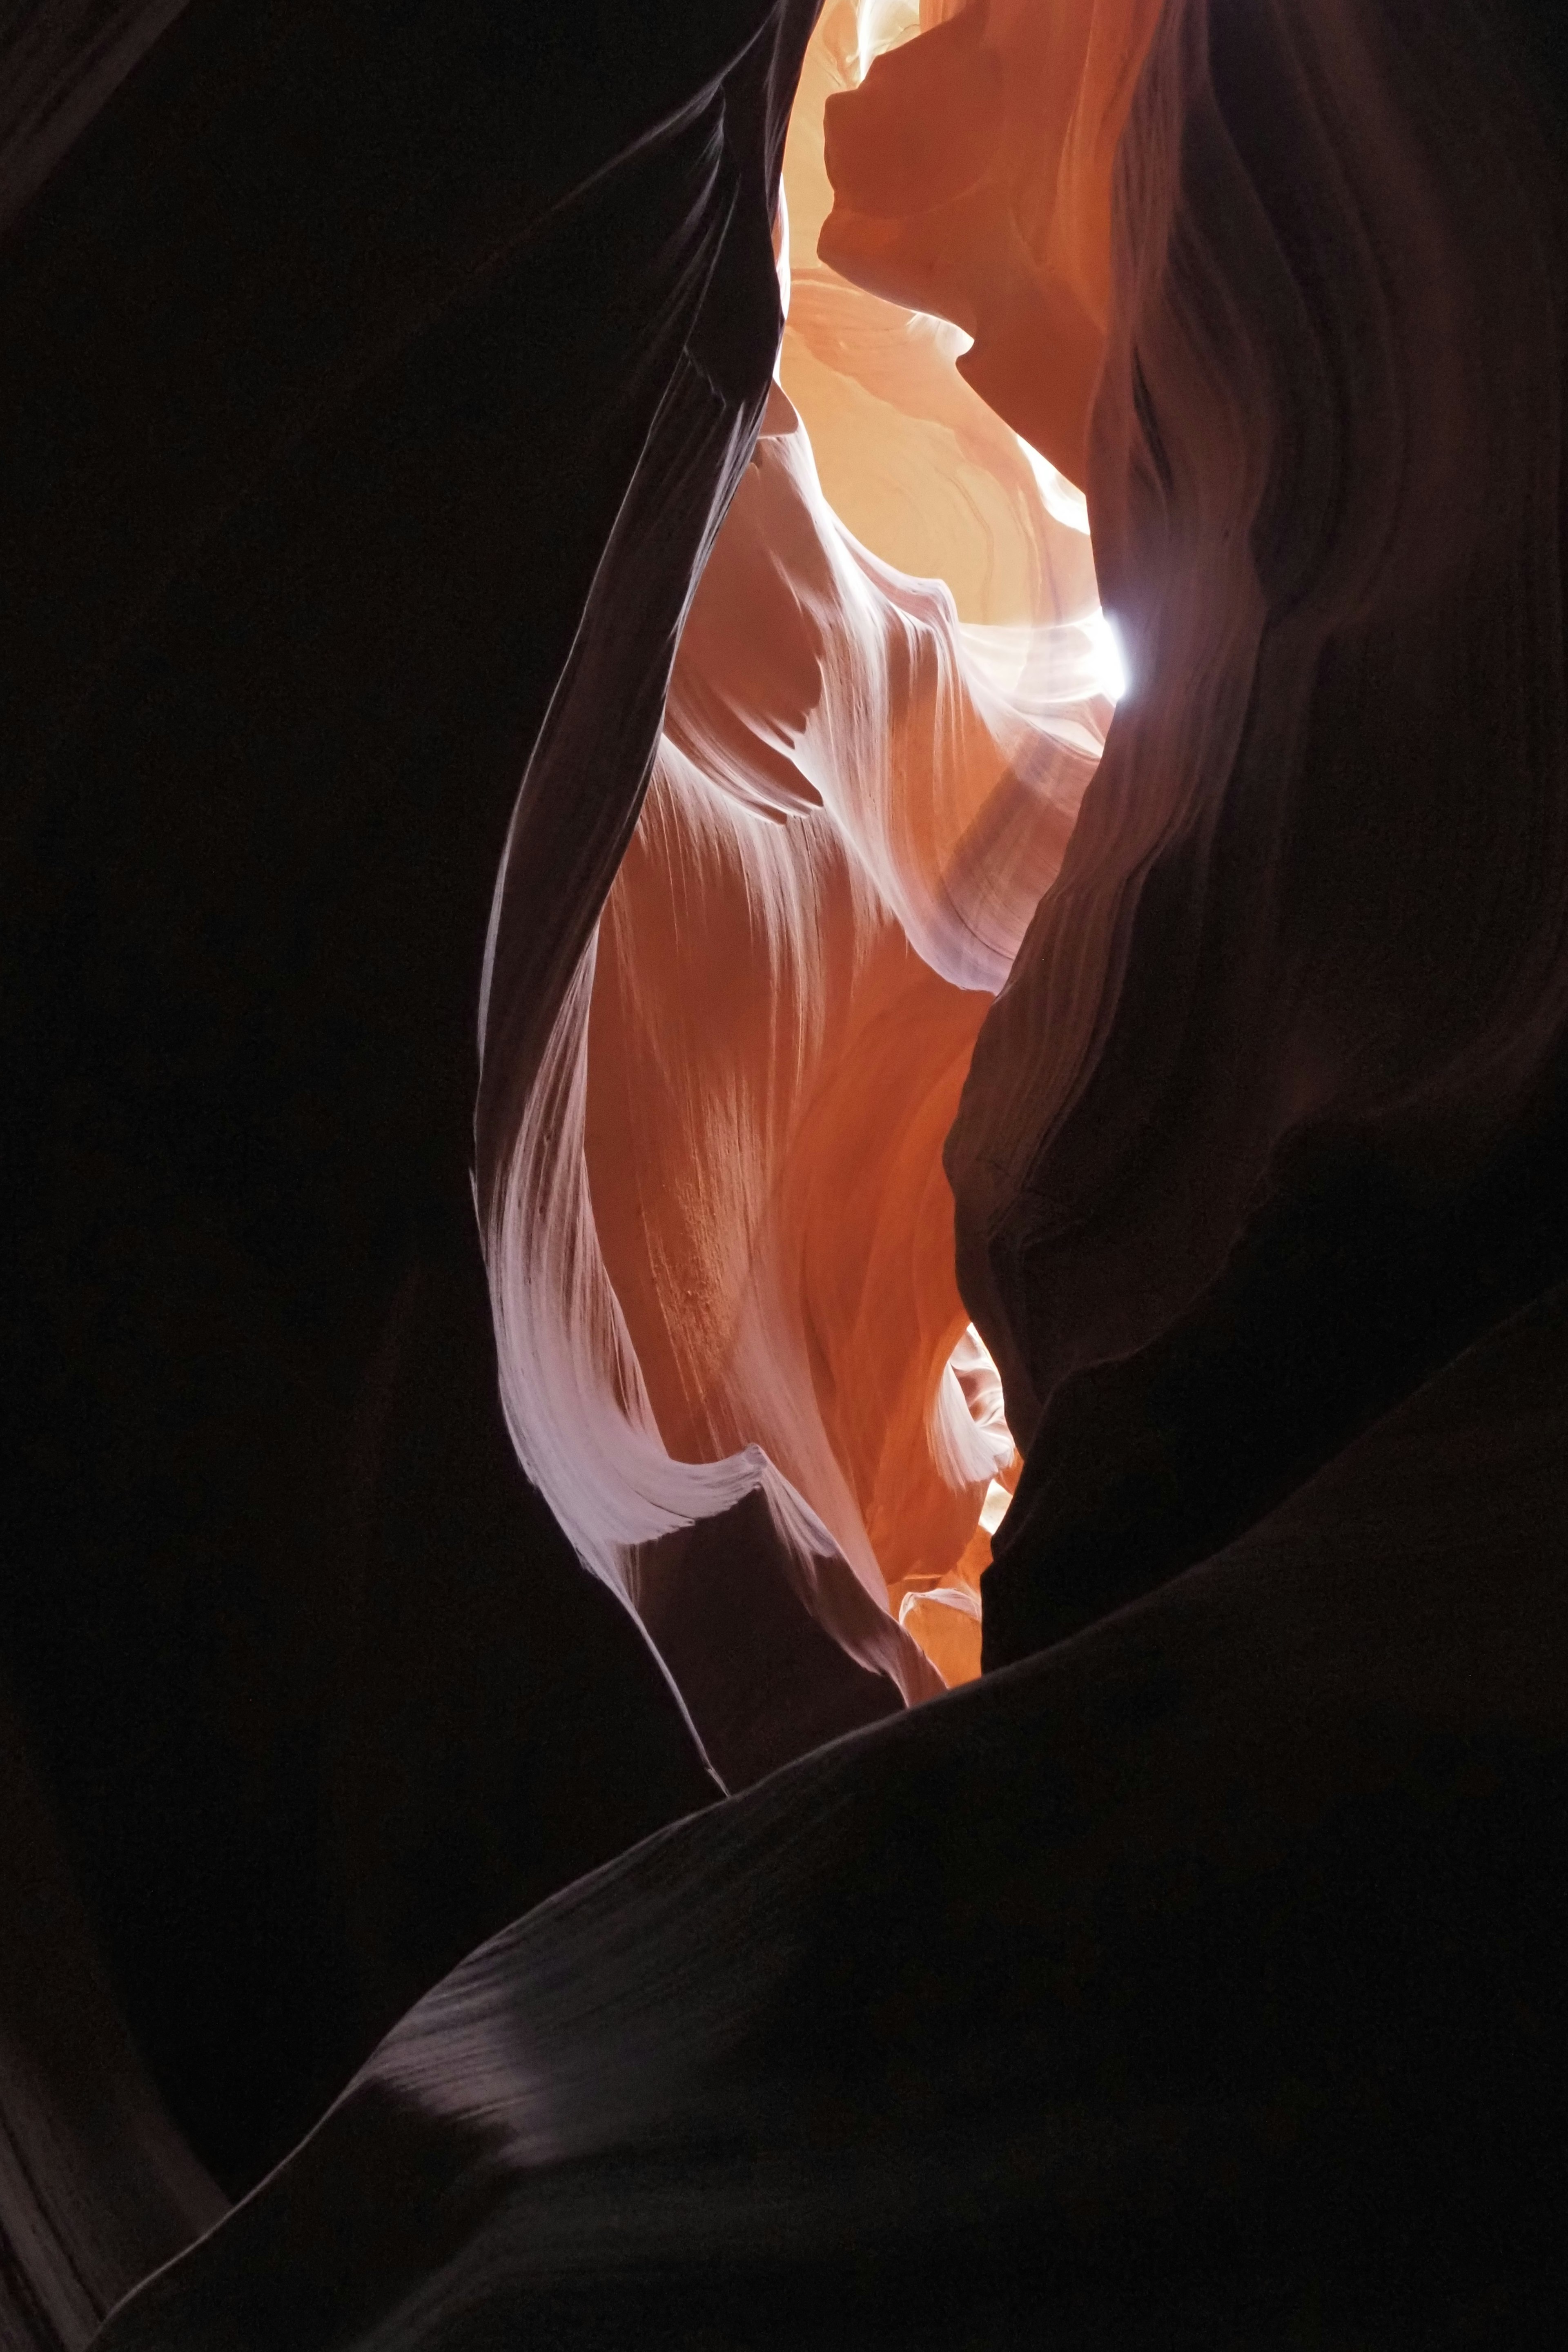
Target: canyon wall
point(531, 846)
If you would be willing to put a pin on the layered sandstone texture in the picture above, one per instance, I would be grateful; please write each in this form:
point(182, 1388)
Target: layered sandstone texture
point(773, 782)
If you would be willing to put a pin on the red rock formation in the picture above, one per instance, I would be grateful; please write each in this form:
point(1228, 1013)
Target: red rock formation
point(1197, 1981)
point(724, 1223)
point(971, 173)
point(720, 1223)
point(911, 457)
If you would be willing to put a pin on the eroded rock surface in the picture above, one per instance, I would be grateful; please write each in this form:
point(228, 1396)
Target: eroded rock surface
point(387, 420)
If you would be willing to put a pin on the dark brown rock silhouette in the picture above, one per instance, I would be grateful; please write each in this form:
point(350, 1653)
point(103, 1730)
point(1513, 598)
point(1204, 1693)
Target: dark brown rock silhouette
point(97, 2188)
point(1196, 1982)
point(1353, 1280)
point(762, 1675)
point(312, 447)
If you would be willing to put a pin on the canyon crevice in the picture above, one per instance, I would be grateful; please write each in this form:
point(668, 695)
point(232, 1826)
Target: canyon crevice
point(786, 935)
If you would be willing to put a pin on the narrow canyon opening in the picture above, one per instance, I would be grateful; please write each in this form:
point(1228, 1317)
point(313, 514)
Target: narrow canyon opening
point(681, 1067)
point(736, 1354)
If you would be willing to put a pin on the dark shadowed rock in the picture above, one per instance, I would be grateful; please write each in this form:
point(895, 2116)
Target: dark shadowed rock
point(764, 1678)
point(332, 351)
point(1197, 1982)
point(97, 2188)
point(1353, 1281)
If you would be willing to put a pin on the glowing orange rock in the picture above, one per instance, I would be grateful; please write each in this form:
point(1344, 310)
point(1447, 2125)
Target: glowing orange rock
point(740, 1265)
point(973, 171)
point(730, 1277)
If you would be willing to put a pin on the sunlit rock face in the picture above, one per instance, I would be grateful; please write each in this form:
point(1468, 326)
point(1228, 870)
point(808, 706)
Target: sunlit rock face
point(722, 1248)
point(847, 829)
point(917, 465)
point(972, 172)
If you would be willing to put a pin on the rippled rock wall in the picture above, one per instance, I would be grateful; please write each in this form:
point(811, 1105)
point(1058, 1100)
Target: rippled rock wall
point(489, 726)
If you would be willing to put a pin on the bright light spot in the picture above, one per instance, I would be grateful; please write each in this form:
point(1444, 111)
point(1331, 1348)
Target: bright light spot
point(1062, 498)
point(1109, 661)
point(781, 255)
point(950, 340)
point(881, 25)
point(994, 1509)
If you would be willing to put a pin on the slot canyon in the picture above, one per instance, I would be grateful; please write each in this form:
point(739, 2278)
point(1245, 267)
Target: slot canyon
point(785, 1042)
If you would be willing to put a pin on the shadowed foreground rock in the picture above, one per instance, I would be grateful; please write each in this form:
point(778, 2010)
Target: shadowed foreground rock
point(1350, 1284)
point(95, 2186)
point(1200, 1981)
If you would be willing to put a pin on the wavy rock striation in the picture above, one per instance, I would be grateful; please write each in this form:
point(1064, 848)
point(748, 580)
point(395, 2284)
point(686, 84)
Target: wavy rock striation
point(719, 1236)
point(725, 1253)
point(1198, 1979)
